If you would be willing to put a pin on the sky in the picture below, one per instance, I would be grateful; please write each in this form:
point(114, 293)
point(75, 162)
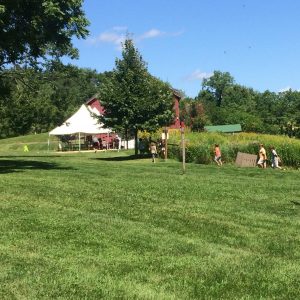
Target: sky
point(184, 41)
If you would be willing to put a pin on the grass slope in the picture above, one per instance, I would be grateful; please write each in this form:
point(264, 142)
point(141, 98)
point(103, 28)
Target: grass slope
point(35, 142)
point(91, 226)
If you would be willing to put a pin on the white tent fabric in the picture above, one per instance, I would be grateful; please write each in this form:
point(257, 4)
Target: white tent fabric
point(83, 122)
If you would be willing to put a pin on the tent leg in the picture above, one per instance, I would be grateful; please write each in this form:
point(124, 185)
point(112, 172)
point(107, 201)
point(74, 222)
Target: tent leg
point(79, 142)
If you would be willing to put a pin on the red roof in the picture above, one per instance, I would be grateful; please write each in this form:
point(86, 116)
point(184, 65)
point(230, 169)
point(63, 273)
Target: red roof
point(93, 102)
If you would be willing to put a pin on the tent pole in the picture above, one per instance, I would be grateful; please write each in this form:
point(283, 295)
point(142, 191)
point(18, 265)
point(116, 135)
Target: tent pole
point(79, 142)
point(48, 142)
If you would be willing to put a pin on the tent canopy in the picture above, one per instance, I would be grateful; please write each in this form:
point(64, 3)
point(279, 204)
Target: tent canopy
point(83, 121)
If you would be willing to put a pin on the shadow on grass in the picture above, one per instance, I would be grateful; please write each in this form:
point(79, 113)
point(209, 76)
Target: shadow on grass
point(13, 156)
point(10, 166)
point(122, 158)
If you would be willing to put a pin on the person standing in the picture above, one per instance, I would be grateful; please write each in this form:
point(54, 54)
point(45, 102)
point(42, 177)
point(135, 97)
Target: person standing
point(153, 151)
point(141, 146)
point(275, 158)
point(96, 143)
point(218, 155)
point(262, 161)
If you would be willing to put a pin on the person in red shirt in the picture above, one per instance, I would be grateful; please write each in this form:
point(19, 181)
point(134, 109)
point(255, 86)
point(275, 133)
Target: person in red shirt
point(218, 155)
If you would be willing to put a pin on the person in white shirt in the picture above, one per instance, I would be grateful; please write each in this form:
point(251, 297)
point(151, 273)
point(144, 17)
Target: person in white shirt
point(275, 158)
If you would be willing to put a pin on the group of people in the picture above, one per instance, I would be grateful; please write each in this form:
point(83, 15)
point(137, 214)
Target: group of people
point(99, 144)
point(262, 161)
point(262, 157)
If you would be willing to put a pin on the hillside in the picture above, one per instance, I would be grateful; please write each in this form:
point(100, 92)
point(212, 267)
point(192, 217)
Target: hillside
point(35, 142)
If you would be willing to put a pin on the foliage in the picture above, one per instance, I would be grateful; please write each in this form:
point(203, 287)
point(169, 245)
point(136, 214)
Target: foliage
point(34, 30)
point(133, 99)
point(222, 102)
point(193, 114)
point(217, 84)
point(35, 101)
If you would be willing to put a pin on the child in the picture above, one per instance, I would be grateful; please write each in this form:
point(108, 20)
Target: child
point(153, 151)
point(218, 157)
point(262, 162)
point(275, 158)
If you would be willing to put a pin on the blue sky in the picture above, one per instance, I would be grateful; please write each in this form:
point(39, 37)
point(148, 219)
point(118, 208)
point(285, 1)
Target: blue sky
point(258, 42)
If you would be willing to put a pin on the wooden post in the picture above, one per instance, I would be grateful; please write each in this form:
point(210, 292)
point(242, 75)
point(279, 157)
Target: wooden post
point(183, 147)
point(166, 143)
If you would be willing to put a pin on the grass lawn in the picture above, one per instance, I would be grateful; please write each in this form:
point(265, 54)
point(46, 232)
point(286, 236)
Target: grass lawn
point(92, 226)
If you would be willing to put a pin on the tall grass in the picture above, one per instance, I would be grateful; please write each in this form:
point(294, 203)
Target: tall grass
point(199, 146)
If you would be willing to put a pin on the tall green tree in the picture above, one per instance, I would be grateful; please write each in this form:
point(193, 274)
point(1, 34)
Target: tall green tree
point(133, 99)
point(71, 86)
point(42, 99)
point(217, 84)
point(31, 30)
point(288, 109)
point(27, 107)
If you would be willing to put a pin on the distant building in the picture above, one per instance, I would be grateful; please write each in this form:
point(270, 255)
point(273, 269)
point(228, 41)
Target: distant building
point(224, 128)
point(93, 102)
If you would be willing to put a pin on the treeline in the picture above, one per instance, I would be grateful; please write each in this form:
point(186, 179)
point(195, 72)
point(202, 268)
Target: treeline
point(35, 101)
point(37, 92)
point(221, 101)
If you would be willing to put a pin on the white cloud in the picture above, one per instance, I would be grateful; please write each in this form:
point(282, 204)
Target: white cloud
point(109, 37)
point(287, 88)
point(119, 28)
point(198, 75)
point(177, 33)
point(117, 35)
point(152, 33)
point(284, 89)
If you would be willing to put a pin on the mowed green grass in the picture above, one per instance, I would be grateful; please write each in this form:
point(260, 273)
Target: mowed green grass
point(92, 226)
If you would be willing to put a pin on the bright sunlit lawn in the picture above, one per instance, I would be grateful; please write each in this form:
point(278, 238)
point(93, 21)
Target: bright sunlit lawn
point(91, 226)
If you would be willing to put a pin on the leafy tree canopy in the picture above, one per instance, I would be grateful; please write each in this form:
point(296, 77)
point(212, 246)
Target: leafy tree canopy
point(41, 99)
point(217, 83)
point(133, 99)
point(35, 29)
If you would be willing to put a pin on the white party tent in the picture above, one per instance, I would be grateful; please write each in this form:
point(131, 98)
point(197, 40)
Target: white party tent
point(83, 122)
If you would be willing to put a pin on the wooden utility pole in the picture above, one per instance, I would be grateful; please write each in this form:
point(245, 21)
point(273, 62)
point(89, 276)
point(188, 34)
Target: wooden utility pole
point(183, 147)
point(166, 143)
